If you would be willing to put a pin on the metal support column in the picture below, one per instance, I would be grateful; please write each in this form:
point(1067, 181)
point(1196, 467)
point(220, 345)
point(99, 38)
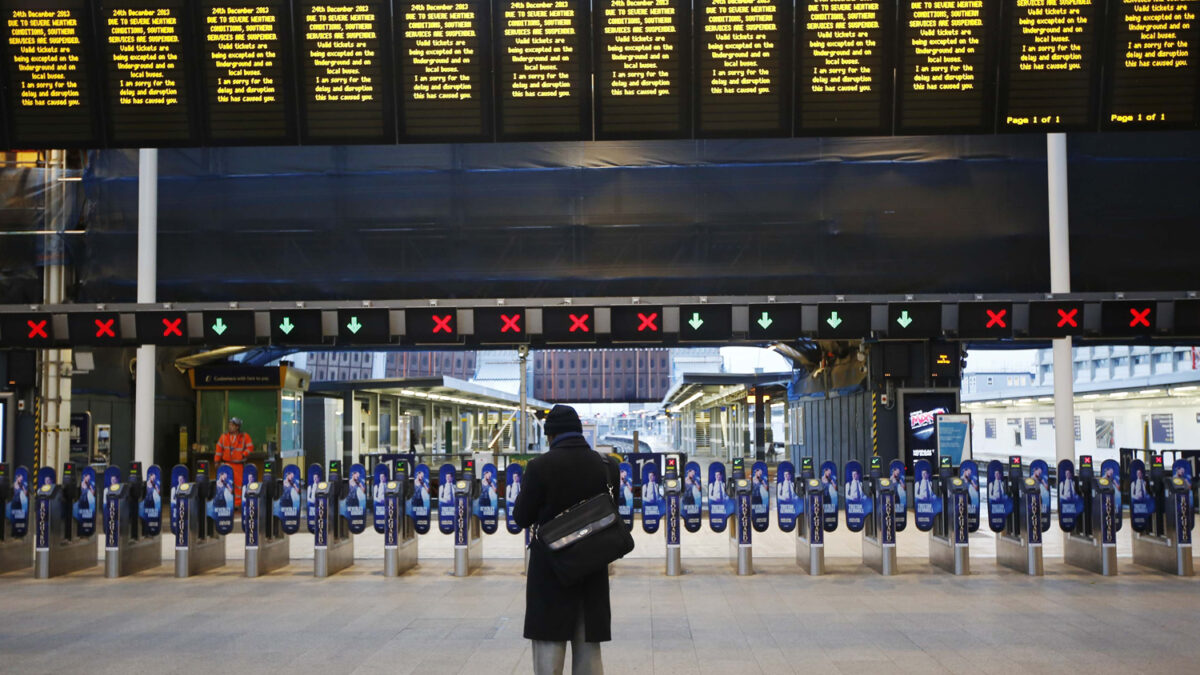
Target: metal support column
point(147, 281)
point(1060, 282)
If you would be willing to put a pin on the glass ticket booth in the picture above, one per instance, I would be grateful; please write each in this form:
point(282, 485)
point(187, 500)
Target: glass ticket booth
point(268, 399)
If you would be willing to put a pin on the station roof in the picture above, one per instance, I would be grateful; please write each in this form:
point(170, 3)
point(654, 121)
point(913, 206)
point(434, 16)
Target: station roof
point(704, 390)
point(439, 388)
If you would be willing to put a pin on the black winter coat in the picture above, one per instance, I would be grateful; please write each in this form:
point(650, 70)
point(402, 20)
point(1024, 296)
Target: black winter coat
point(566, 475)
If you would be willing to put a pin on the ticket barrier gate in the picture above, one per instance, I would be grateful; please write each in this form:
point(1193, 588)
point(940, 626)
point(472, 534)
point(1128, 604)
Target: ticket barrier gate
point(468, 537)
point(741, 546)
point(1019, 545)
point(198, 546)
point(810, 528)
point(1166, 544)
point(672, 491)
point(16, 543)
point(130, 544)
point(1092, 544)
point(60, 547)
point(399, 533)
point(879, 527)
point(333, 549)
point(268, 547)
point(949, 546)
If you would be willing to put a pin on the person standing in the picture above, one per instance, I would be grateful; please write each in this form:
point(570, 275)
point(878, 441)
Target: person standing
point(233, 448)
point(568, 473)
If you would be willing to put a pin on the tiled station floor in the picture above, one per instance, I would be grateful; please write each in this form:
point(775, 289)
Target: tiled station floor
point(707, 621)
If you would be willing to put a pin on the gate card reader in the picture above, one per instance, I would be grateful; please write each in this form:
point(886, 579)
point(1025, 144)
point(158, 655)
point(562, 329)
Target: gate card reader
point(399, 532)
point(879, 529)
point(16, 541)
point(333, 543)
point(810, 530)
point(59, 548)
point(268, 547)
point(948, 540)
point(128, 545)
point(468, 540)
point(1092, 544)
point(1019, 545)
point(198, 547)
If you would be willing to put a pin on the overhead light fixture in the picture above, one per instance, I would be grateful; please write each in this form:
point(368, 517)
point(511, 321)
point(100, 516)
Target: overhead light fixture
point(1150, 392)
point(1090, 397)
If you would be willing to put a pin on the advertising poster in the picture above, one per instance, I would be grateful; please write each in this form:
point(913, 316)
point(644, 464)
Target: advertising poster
point(720, 505)
point(46, 476)
point(919, 423)
point(111, 483)
point(1111, 469)
point(1000, 504)
point(446, 498)
point(896, 472)
point(379, 481)
point(1039, 471)
point(788, 505)
point(1070, 502)
point(316, 474)
point(249, 475)
point(858, 502)
point(179, 476)
point(419, 502)
point(692, 498)
point(926, 502)
point(654, 503)
point(969, 472)
point(1182, 469)
point(512, 488)
point(220, 507)
point(625, 494)
point(16, 511)
point(760, 497)
point(829, 496)
point(487, 507)
point(1141, 500)
point(354, 506)
point(288, 506)
point(953, 437)
point(85, 505)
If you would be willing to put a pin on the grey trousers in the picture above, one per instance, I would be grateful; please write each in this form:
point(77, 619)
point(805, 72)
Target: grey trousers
point(548, 657)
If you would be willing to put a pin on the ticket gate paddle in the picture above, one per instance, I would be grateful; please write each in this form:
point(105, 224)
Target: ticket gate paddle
point(199, 547)
point(949, 547)
point(333, 543)
point(16, 541)
point(132, 532)
point(399, 532)
point(1092, 543)
point(61, 545)
point(672, 493)
point(810, 529)
point(268, 547)
point(1165, 543)
point(1019, 541)
point(879, 526)
point(468, 539)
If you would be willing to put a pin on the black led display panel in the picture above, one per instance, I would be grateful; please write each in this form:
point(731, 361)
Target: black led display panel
point(642, 52)
point(1049, 66)
point(772, 321)
point(247, 77)
point(743, 74)
point(542, 71)
point(637, 323)
point(443, 61)
point(985, 320)
point(569, 324)
point(50, 76)
point(148, 65)
point(705, 323)
point(1056, 318)
point(501, 325)
point(945, 76)
point(1153, 78)
point(343, 53)
point(844, 67)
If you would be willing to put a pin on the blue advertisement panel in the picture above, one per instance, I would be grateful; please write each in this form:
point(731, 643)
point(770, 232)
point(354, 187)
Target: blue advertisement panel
point(887, 517)
point(316, 474)
point(419, 504)
point(692, 500)
point(111, 482)
point(720, 505)
point(249, 475)
point(1182, 469)
point(16, 511)
point(288, 505)
point(220, 507)
point(1033, 511)
point(1110, 517)
point(1040, 473)
point(391, 517)
point(1000, 505)
point(379, 480)
point(672, 515)
point(788, 505)
point(179, 476)
point(86, 507)
point(250, 514)
point(625, 494)
point(858, 502)
point(760, 497)
point(488, 505)
point(745, 518)
point(512, 488)
point(46, 476)
point(896, 472)
point(654, 505)
point(829, 496)
point(179, 505)
point(112, 518)
point(814, 511)
point(462, 515)
point(926, 502)
point(1070, 502)
point(961, 521)
point(1111, 469)
point(321, 516)
point(354, 506)
point(1141, 499)
point(969, 473)
point(446, 499)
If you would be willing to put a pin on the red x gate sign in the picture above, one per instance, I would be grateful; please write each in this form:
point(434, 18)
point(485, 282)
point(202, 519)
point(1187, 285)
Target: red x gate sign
point(637, 323)
point(104, 328)
point(996, 319)
point(1128, 318)
point(441, 322)
point(512, 322)
point(172, 327)
point(579, 323)
point(985, 320)
point(1141, 317)
point(37, 328)
point(1066, 318)
point(648, 322)
point(1056, 318)
point(431, 325)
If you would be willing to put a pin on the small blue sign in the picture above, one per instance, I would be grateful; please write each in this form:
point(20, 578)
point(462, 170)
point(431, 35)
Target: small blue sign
point(926, 502)
point(692, 500)
point(953, 437)
point(354, 506)
point(1040, 472)
point(1141, 499)
point(288, 506)
point(788, 505)
point(512, 488)
point(487, 507)
point(969, 472)
point(1000, 504)
point(896, 472)
point(625, 494)
point(17, 508)
point(179, 476)
point(379, 480)
point(653, 503)
point(316, 474)
point(720, 505)
point(1070, 502)
point(220, 507)
point(446, 498)
point(858, 502)
point(419, 503)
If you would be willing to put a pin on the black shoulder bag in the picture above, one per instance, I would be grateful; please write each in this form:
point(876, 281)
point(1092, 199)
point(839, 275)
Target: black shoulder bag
point(585, 538)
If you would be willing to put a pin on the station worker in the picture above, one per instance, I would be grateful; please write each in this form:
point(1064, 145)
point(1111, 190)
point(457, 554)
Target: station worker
point(233, 448)
point(568, 473)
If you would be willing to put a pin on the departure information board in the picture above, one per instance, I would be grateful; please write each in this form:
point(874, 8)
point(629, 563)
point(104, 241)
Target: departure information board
point(643, 73)
point(945, 77)
point(1049, 71)
point(543, 75)
point(147, 52)
point(843, 66)
point(443, 57)
point(345, 72)
point(743, 67)
point(247, 80)
point(50, 96)
point(1153, 73)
